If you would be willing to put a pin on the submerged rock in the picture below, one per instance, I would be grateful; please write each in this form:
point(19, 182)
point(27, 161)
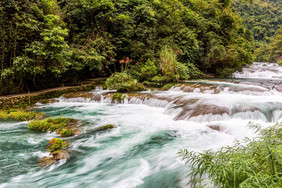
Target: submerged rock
point(105, 127)
point(60, 154)
point(56, 156)
point(46, 161)
point(215, 127)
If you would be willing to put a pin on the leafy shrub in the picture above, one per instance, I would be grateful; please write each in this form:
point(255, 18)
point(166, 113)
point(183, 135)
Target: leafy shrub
point(256, 163)
point(144, 72)
point(66, 133)
point(118, 97)
point(4, 115)
point(122, 82)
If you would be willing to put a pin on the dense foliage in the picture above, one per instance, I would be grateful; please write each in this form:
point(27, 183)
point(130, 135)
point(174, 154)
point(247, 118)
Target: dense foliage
point(47, 43)
point(256, 163)
point(263, 18)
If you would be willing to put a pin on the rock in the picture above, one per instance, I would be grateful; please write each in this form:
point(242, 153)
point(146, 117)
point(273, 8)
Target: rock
point(215, 127)
point(56, 156)
point(105, 127)
point(79, 94)
point(60, 154)
point(46, 161)
point(204, 109)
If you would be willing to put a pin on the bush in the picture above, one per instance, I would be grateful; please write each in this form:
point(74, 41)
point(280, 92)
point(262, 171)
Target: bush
point(255, 163)
point(66, 133)
point(144, 72)
point(118, 97)
point(122, 82)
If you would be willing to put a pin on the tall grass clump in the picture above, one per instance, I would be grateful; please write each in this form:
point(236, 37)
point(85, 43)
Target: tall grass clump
point(168, 62)
point(255, 163)
point(3, 115)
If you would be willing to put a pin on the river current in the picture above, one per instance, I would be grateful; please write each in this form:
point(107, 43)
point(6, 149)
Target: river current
point(151, 128)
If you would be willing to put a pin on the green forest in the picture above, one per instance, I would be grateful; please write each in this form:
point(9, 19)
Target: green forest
point(47, 43)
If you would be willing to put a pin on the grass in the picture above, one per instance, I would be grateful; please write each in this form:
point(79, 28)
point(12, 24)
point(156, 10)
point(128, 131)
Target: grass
point(106, 127)
point(56, 144)
point(255, 163)
point(49, 124)
point(20, 115)
point(4, 115)
point(66, 133)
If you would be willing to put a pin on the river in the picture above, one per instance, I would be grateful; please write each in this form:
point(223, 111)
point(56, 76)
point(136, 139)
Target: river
point(151, 128)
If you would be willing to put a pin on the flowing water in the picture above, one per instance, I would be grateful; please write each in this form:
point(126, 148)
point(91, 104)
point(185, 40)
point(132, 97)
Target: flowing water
point(151, 129)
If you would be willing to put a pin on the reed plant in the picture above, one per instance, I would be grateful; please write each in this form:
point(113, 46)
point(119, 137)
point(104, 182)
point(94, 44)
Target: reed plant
point(253, 163)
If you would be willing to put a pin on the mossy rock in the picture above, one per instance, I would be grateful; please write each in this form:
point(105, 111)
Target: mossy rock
point(66, 133)
point(49, 124)
point(79, 94)
point(56, 144)
point(106, 127)
point(168, 86)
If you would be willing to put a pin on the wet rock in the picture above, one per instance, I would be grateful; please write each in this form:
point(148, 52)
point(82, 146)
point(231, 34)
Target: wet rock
point(251, 89)
point(60, 154)
point(79, 94)
point(204, 109)
point(46, 161)
point(56, 156)
point(215, 127)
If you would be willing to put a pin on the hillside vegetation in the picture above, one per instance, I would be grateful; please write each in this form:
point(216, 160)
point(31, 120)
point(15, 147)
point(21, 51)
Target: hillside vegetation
point(47, 43)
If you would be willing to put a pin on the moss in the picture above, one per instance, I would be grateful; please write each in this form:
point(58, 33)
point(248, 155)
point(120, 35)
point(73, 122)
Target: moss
point(118, 97)
point(168, 86)
point(45, 101)
point(49, 124)
point(66, 133)
point(56, 144)
point(24, 116)
point(106, 127)
point(4, 115)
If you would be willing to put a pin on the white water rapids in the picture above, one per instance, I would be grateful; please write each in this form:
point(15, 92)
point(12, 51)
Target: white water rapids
point(151, 129)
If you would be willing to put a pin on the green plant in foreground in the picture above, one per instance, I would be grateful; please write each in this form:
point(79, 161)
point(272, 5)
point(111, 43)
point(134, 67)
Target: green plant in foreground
point(256, 163)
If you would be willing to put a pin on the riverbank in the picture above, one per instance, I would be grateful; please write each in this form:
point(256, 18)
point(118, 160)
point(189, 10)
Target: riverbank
point(25, 99)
